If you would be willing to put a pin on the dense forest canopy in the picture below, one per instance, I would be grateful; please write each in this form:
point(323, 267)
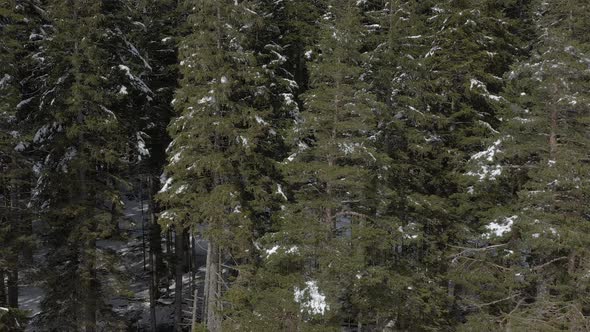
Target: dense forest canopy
point(294, 165)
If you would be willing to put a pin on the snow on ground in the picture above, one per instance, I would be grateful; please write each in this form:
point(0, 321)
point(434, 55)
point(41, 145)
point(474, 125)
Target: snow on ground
point(133, 303)
point(29, 298)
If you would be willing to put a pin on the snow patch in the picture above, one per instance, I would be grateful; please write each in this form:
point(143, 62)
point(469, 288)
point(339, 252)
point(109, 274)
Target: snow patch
point(21, 146)
point(288, 97)
point(167, 185)
point(243, 140)
point(206, 99)
point(181, 189)
point(272, 250)
point(4, 81)
point(310, 298)
point(501, 228)
point(489, 153)
point(348, 148)
point(108, 111)
point(280, 192)
point(259, 120)
point(142, 151)
point(23, 103)
point(136, 81)
point(487, 171)
point(69, 155)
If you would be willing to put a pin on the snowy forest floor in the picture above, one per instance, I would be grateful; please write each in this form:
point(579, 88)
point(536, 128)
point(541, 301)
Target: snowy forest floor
point(132, 304)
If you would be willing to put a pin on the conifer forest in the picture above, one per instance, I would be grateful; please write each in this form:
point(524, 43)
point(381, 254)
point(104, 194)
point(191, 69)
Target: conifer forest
point(295, 165)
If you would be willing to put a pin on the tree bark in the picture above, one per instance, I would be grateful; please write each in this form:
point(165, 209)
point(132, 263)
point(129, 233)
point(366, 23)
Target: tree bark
point(154, 250)
point(13, 250)
point(2, 288)
point(212, 288)
point(89, 256)
point(91, 297)
point(13, 287)
point(553, 135)
point(179, 268)
point(153, 288)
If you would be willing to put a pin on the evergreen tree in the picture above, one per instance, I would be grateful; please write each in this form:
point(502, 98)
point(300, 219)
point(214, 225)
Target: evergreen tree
point(358, 165)
point(154, 33)
point(220, 173)
point(82, 138)
point(324, 244)
point(430, 63)
point(20, 31)
point(538, 272)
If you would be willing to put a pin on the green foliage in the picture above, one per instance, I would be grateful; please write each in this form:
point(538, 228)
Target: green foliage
point(13, 320)
point(394, 165)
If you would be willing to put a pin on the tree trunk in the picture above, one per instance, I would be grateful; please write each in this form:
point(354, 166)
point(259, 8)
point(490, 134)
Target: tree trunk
point(28, 248)
point(553, 135)
point(2, 288)
point(92, 284)
point(13, 287)
point(153, 288)
point(206, 285)
point(194, 309)
point(155, 238)
point(88, 251)
point(212, 288)
point(186, 250)
point(13, 251)
point(154, 250)
point(179, 268)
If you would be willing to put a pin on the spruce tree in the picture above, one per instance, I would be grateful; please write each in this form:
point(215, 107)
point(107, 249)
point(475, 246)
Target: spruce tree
point(438, 67)
point(324, 240)
point(20, 59)
point(539, 234)
point(82, 138)
point(220, 173)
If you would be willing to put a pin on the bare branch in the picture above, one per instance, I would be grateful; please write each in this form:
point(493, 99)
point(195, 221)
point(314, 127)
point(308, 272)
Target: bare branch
point(497, 301)
point(351, 213)
point(537, 268)
point(467, 250)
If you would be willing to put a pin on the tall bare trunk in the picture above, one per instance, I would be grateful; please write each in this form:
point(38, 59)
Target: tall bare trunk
point(212, 288)
point(13, 287)
point(553, 135)
point(179, 268)
point(154, 250)
point(153, 288)
point(2, 288)
point(13, 252)
point(92, 291)
point(89, 259)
